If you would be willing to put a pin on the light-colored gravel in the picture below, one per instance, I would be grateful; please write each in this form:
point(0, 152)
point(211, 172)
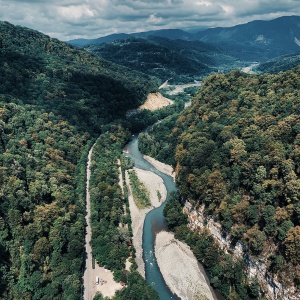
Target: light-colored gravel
point(153, 183)
point(160, 166)
point(180, 268)
point(156, 101)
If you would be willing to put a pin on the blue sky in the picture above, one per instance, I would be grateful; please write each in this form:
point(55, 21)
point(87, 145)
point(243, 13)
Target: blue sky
point(69, 19)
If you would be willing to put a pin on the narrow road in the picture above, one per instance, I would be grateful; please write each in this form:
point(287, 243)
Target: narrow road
point(106, 284)
point(88, 281)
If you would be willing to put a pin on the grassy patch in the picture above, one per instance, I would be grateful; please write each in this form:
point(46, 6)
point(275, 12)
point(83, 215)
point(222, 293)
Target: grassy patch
point(139, 192)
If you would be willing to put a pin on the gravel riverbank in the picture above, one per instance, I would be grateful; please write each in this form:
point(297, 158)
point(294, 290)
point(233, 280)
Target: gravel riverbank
point(162, 167)
point(153, 183)
point(180, 268)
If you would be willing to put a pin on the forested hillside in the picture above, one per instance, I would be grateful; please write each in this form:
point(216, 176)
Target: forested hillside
point(280, 64)
point(179, 61)
point(42, 207)
point(238, 154)
point(83, 88)
point(53, 100)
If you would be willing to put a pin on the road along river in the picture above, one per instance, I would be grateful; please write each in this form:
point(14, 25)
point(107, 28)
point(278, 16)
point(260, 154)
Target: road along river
point(95, 278)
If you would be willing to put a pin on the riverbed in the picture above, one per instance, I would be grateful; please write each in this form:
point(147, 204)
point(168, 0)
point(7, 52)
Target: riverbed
point(155, 224)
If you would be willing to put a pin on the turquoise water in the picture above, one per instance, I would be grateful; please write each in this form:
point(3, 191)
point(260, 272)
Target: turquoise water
point(154, 223)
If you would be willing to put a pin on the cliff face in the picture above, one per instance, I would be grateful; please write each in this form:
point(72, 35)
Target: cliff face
point(256, 268)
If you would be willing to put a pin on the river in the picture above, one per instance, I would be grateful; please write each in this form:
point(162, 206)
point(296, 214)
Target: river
point(154, 223)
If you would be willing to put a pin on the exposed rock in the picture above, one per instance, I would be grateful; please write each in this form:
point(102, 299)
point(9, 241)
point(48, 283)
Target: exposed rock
point(256, 269)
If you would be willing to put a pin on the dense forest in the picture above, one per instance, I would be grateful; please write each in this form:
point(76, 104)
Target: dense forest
point(54, 101)
point(279, 64)
point(81, 87)
point(110, 215)
point(238, 155)
point(42, 207)
point(178, 61)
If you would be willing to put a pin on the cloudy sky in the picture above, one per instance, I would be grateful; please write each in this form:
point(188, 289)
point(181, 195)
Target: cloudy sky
point(68, 19)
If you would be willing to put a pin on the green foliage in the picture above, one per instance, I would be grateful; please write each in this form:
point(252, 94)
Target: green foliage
point(139, 120)
point(159, 141)
point(225, 273)
point(177, 60)
point(136, 289)
point(81, 87)
point(173, 211)
point(52, 98)
point(238, 154)
point(42, 208)
point(110, 242)
point(139, 192)
point(280, 64)
point(158, 195)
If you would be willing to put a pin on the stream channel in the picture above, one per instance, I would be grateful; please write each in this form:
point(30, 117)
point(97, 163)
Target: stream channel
point(154, 223)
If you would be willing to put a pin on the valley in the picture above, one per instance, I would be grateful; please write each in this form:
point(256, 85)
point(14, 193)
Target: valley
point(156, 165)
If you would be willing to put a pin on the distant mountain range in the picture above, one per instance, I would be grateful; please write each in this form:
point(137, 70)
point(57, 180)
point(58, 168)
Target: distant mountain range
point(256, 40)
point(266, 38)
point(172, 34)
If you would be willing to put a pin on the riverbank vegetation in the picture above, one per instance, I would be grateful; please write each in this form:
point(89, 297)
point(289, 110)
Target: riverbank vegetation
point(139, 120)
point(159, 142)
point(111, 243)
point(226, 273)
point(139, 192)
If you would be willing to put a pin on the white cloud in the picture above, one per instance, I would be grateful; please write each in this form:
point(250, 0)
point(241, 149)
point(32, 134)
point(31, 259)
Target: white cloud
point(153, 19)
point(75, 12)
point(202, 2)
point(67, 19)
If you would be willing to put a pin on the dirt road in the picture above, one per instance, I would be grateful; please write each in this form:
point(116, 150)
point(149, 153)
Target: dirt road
point(106, 285)
point(87, 280)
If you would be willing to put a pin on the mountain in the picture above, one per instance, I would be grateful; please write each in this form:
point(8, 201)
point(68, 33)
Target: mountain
point(237, 161)
point(257, 40)
point(83, 88)
point(105, 39)
point(176, 60)
point(280, 64)
point(253, 41)
point(171, 34)
point(54, 100)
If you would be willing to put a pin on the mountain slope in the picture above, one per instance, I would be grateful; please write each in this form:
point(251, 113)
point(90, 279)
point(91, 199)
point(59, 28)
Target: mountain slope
point(172, 34)
point(266, 39)
point(238, 156)
point(280, 64)
point(83, 88)
point(254, 41)
point(177, 60)
point(53, 100)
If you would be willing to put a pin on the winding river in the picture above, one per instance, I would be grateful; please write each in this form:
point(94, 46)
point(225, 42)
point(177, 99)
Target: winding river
point(154, 223)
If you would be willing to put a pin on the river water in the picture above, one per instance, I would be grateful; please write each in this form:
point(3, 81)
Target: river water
point(154, 223)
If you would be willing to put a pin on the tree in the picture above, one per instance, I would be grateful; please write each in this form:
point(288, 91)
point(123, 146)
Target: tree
point(255, 239)
point(292, 245)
